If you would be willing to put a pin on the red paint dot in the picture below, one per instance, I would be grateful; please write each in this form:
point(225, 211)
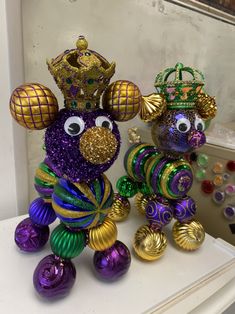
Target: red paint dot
point(207, 186)
point(231, 165)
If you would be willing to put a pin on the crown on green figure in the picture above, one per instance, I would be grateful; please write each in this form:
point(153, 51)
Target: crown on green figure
point(180, 93)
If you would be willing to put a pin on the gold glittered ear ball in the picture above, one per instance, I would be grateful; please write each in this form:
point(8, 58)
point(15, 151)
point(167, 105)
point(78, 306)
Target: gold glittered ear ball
point(206, 106)
point(33, 106)
point(122, 99)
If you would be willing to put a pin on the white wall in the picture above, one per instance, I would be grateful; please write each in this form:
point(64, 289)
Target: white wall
point(142, 36)
point(13, 156)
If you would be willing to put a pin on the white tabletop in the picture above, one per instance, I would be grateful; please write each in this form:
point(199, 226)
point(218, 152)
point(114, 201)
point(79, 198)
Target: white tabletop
point(179, 280)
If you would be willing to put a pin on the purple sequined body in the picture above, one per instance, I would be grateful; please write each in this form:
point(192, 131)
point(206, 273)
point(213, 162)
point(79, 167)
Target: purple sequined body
point(63, 150)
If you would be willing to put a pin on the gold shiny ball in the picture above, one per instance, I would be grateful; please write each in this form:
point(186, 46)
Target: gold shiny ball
point(142, 200)
point(206, 106)
point(33, 106)
point(149, 244)
point(103, 236)
point(120, 209)
point(98, 145)
point(188, 236)
point(81, 43)
point(153, 106)
point(122, 99)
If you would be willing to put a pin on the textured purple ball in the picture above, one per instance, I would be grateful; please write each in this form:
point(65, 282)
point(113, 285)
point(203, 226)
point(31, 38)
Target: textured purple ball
point(184, 209)
point(159, 212)
point(41, 212)
point(112, 263)
point(53, 277)
point(30, 237)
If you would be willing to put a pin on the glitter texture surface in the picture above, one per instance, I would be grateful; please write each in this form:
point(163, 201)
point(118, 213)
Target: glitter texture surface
point(63, 150)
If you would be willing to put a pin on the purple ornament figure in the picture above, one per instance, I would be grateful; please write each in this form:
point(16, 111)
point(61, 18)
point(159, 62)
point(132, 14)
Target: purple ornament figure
point(160, 175)
point(82, 141)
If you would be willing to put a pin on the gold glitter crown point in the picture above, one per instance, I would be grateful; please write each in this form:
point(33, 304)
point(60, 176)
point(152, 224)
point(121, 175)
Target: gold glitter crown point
point(82, 75)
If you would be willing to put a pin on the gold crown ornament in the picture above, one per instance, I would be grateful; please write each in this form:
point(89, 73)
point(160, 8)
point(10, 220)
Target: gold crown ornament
point(82, 75)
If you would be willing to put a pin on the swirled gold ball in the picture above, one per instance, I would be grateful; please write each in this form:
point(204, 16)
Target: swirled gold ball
point(149, 244)
point(103, 236)
point(120, 209)
point(122, 100)
point(142, 200)
point(33, 106)
point(206, 106)
point(188, 236)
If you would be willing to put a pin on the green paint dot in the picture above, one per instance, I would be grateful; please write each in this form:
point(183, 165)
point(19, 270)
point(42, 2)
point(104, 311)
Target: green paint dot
point(68, 80)
point(200, 174)
point(73, 104)
point(202, 160)
point(90, 81)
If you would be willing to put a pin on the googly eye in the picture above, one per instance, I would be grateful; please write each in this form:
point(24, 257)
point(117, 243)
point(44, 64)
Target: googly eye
point(87, 53)
point(199, 124)
point(74, 126)
point(183, 125)
point(104, 122)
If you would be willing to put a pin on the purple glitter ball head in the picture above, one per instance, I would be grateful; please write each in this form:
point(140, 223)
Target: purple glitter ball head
point(53, 277)
point(159, 212)
point(41, 212)
point(30, 237)
point(112, 263)
point(178, 132)
point(184, 209)
point(63, 149)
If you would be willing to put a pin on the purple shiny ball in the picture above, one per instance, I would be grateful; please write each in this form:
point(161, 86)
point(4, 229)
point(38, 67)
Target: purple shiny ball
point(41, 212)
point(112, 263)
point(159, 212)
point(30, 237)
point(53, 277)
point(184, 209)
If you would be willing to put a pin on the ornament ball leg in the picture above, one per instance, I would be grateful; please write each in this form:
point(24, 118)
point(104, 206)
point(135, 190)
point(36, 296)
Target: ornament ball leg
point(189, 236)
point(113, 262)
point(54, 277)
point(32, 233)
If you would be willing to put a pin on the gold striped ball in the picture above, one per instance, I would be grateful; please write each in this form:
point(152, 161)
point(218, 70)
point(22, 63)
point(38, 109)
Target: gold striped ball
point(206, 106)
point(142, 200)
point(122, 99)
point(103, 236)
point(33, 106)
point(120, 209)
point(149, 244)
point(188, 236)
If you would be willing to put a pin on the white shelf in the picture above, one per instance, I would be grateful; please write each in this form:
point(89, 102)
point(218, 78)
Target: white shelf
point(177, 283)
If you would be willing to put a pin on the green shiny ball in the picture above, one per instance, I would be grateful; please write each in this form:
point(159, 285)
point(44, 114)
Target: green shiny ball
point(66, 243)
point(144, 188)
point(127, 187)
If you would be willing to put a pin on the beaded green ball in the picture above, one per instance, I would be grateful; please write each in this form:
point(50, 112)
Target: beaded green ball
point(127, 187)
point(67, 243)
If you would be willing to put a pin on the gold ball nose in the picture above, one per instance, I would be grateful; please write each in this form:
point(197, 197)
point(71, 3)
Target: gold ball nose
point(98, 145)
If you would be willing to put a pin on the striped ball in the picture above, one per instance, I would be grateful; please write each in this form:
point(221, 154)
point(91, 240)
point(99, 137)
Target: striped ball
point(44, 180)
point(170, 178)
point(82, 205)
point(136, 158)
point(66, 243)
